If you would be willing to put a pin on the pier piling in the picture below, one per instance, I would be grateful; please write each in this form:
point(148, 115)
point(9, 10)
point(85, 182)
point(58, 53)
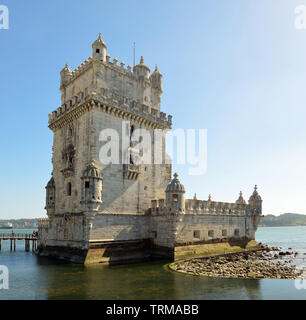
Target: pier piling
point(27, 238)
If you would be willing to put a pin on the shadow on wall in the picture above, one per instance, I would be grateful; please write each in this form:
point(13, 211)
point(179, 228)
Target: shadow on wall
point(112, 195)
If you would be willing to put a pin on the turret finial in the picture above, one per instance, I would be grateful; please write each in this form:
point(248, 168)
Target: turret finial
point(141, 60)
point(100, 36)
point(175, 175)
point(240, 199)
point(209, 197)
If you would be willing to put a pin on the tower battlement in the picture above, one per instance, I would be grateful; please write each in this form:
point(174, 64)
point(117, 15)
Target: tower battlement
point(98, 73)
point(110, 102)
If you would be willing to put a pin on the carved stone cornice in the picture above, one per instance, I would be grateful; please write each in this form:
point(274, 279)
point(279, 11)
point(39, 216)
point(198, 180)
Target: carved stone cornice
point(90, 103)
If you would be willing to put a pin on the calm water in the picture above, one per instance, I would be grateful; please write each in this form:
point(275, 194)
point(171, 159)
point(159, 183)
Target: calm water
point(41, 278)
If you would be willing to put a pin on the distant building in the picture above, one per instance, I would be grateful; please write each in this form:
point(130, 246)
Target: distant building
point(124, 212)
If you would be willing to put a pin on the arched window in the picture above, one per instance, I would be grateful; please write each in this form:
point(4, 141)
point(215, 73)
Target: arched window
point(175, 197)
point(69, 189)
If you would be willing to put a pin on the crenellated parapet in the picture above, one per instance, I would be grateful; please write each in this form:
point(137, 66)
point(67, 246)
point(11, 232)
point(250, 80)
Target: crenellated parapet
point(109, 102)
point(99, 72)
point(204, 207)
point(121, 69)
point(214, 208)
point(43, 223)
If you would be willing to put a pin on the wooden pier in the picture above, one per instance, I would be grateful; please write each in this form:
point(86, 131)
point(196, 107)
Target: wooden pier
point(27, 238)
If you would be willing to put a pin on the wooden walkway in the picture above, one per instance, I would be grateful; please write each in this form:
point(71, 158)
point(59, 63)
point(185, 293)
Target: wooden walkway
point(27, 238)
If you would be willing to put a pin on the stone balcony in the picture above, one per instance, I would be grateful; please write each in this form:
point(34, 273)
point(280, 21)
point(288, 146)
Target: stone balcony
point(131, 171)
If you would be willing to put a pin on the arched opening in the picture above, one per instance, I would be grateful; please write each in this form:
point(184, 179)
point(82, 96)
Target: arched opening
point(175, 197)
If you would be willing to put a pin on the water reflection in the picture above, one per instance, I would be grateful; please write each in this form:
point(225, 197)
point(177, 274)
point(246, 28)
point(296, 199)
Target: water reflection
point(33, 277)
point(140, 281)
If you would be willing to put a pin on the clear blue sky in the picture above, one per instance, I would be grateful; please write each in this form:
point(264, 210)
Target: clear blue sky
point(236, 68)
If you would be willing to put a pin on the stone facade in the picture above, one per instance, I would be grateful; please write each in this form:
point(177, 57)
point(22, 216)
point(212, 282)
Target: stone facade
point(125, 212)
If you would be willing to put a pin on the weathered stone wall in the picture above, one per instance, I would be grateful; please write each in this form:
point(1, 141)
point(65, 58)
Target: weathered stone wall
point(77, 135)
point(198, 228)
point(118, 227)
point(121, 195)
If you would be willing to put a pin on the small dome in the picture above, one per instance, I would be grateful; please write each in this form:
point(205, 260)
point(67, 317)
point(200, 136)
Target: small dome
point(240, 199)
point(66, 69)
point(99, 41)
point(175, 185)
point(51, 183)
point(142, 65)
point(255, 196)
point(156, 71)
point(92, 171)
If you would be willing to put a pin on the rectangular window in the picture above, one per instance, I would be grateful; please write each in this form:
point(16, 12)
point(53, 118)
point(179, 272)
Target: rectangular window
point(237, 233)
point(86, 184)
point(196, 234)
point(69, 189)
point(224, 233)
point(211, 233)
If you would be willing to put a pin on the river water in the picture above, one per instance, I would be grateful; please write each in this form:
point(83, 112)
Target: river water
point(32, 277)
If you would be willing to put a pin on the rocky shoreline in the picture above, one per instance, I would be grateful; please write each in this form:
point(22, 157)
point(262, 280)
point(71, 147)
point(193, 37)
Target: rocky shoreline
point(265, 262)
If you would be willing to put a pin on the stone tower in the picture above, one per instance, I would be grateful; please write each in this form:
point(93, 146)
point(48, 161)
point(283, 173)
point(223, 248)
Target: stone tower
point(105, 204)
point(102, 97)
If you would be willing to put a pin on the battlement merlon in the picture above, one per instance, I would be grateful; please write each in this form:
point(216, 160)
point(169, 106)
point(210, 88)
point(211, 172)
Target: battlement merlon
point(208, 207)
point(99, 73)
point(120, 106)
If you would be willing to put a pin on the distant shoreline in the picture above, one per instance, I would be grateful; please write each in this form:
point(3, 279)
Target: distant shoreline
point(283, 220)
point(281, 226)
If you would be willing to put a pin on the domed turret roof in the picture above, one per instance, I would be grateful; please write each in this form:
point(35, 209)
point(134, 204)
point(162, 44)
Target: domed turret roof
point(66, 69)
point(240, 199)
point(142, 65)
point(175, 185)
point(92, 171)
point(255, 196)
point(156, 71)
point(99, 41)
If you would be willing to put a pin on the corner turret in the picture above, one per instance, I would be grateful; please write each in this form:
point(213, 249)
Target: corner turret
point(65, 75)
point(50, 197)
point(141, 70)
point(156, 79)
point(255, 202)
point(175, 199)
point(92, 186)
point(99, 49)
